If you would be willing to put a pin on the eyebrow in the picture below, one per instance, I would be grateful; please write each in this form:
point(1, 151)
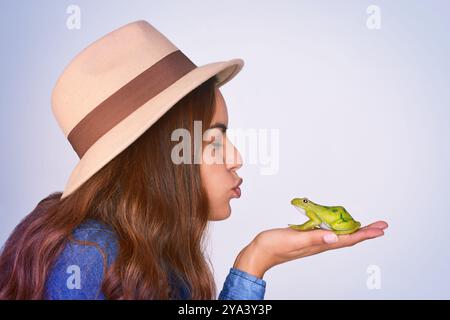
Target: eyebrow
point(219, 125)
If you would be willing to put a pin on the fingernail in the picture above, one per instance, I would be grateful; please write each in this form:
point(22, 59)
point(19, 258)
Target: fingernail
point(330, 238)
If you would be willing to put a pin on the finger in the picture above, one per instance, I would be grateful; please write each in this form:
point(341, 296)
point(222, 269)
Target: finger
point(378, 224)
point(349, 240)
point(358, 236)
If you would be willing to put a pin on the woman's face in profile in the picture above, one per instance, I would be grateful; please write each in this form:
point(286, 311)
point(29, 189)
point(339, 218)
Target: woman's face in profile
point(220, 177)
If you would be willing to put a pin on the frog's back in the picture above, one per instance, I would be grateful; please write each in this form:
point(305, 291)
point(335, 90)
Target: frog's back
point(345, 214)
point(341, 211)
point(337, 209)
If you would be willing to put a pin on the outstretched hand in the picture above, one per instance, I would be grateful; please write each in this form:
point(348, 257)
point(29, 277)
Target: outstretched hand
point(276, 246)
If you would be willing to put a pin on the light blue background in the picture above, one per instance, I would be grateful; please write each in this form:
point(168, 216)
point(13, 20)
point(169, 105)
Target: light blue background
point(363, 118)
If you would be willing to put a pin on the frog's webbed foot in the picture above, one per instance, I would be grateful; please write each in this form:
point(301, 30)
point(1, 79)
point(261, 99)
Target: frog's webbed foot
point(308, 225)
point(346, 231)
point(298, 227)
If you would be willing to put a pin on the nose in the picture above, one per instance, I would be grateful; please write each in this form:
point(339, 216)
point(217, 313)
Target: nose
point(233, 157)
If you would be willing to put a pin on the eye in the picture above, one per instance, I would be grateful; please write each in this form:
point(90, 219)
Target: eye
point(218, 139)
point(305, 200)
point(217, 142)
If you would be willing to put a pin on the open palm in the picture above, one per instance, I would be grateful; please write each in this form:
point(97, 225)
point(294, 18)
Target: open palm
point(276, 246)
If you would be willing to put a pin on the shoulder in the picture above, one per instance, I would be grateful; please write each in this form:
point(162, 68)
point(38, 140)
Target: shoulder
point(78, 271)
point(93, 233)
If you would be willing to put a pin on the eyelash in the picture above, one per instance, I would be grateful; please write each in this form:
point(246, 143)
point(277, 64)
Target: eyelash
point(218, 144)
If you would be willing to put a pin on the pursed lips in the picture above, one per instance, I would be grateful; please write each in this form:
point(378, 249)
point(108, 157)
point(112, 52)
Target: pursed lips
point(236, 188)
point(238, 184)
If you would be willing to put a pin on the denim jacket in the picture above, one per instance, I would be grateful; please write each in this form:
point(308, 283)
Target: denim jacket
point(78, 271)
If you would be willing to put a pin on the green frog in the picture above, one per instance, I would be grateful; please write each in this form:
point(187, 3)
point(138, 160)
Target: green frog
point(334, 218)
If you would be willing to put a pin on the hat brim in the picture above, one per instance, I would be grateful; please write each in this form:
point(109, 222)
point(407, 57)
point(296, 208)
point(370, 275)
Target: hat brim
point(132, 127)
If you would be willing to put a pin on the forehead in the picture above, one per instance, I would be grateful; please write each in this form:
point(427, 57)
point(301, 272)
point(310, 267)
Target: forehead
point(221, 113)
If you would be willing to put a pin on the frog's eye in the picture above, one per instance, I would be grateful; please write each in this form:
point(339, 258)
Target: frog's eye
point(305, 200)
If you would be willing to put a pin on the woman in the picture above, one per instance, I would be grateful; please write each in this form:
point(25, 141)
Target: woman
point(131, 221)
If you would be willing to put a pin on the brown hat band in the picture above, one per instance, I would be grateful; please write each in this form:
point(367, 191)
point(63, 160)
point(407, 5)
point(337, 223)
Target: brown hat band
point(127, 99)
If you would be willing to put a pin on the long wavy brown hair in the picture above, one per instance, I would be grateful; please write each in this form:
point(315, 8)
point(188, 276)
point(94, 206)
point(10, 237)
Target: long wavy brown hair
point(158, 209)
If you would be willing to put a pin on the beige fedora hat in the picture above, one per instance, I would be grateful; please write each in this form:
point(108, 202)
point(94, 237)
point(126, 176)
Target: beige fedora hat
point(117, 87)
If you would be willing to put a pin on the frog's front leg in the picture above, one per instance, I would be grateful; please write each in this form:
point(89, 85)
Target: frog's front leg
point(313, 222)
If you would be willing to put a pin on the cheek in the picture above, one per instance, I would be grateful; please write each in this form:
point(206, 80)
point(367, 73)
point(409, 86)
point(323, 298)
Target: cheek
point(211, 176)
point(215, 183)
point(214, 180)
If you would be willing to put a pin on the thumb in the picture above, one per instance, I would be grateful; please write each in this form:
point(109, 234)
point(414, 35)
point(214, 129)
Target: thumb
point(317, 237)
